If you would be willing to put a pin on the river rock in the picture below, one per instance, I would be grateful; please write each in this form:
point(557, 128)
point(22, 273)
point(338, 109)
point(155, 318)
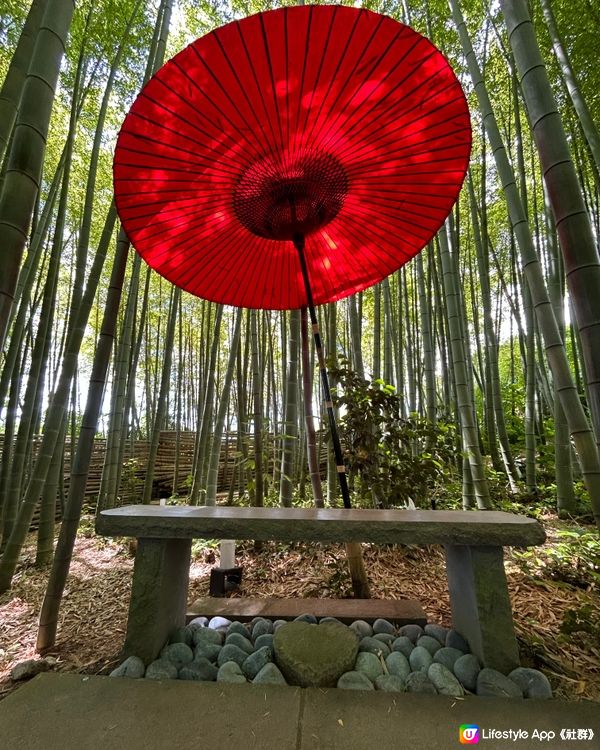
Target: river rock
point(218, 623)
point(445, 682)
point(239, 628)
point(368, 664)
point(361, 628)
point(161, 669)
point(198, 622)
point(256, 661)
point(430, 643)
point(397, 664)
point(355, 681)
point(420, 659)
point(266, 639)
point(418, 682)
point(323, 620)
point(132, 667)
point(269, 675)
point(261, 627)
point(311, 619)
point(199, 669)
point(206, 635)
point(231, 652)
point(411, 631)
point(229, 671)
point(385, 638)
point(373, 646)
point(383, 626)
point(29, 668)
point(439, 632)
point(177, 653)
point(183, 635)
point(455, 640)
point(404, 645)
point(390, 683)
point(447, 656)
point(278, 623)
point(492, 682)
point(466, 670)
point(532, 682)
point(208, 651)
point(235, 639)
point(311, 655)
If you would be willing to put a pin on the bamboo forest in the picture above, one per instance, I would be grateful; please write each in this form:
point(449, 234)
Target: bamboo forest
point(440, 404)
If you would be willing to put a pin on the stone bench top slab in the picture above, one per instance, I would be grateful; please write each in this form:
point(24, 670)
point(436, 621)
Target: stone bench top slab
point(421, 527)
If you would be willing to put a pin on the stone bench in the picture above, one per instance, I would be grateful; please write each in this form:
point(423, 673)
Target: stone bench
point(473, 543)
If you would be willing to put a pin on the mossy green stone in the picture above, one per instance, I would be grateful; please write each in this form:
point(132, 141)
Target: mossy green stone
point(314, 655)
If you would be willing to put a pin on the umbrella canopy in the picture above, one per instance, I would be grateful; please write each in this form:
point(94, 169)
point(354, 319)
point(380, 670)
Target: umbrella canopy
point(330, 122)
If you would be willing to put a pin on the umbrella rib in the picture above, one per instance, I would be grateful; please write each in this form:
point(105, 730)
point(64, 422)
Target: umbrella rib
point(339, 63)
point(426, 149)
point(354, 114)
point(199, 161)
point(272, 76)
point(243, 91)
point(301, 88)
point(302, 129)
point(394, 103)
point(256, 81)
point(359, 85)
point(230, 99)
point(194, 125)
point(403, 125)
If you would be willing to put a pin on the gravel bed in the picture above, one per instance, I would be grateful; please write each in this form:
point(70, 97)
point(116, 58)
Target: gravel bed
point(326, 653)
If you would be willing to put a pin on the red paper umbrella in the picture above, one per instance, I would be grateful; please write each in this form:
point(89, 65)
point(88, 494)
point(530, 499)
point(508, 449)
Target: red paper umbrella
point(337, 129)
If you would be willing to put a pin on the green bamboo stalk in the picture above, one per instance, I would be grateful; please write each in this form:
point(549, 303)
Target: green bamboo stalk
point(213, 466)
point(579, 426)
point(25, 158)
point(428, 353)
point(79, 473)
point(464, 392)
point(203, 434)
point(582, 262)
point(14, 83)
point(257, 416)
point(309, 420)
point(355, 326)
point(161, 404)
point(290, 437)
point(588, 126)
point(56, 410)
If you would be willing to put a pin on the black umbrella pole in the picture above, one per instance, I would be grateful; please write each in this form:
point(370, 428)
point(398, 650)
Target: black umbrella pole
point(337, 448)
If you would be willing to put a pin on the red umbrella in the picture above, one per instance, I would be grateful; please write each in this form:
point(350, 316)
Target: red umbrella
point(293, 158)
point(348, 117)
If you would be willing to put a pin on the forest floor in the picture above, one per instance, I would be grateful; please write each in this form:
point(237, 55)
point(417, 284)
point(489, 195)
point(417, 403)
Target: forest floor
point(94, 610)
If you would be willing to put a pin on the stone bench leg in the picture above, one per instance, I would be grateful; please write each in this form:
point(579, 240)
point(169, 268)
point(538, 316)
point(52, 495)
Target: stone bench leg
point(158, 595)
point(481, 609)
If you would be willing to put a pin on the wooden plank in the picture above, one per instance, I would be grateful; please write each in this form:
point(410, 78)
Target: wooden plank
point(422, 527)
point(398, 611)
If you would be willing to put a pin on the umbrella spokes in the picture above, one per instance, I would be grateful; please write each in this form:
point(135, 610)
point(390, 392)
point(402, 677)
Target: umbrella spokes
point(315, 182)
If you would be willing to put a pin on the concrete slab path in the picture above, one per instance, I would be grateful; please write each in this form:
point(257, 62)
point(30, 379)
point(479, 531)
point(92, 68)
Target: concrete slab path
point(68, 711)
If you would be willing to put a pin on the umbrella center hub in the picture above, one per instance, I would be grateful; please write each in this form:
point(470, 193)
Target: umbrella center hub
point(278, 198)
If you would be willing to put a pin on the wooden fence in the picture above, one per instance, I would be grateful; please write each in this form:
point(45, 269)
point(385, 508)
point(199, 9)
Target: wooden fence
point(171, 444)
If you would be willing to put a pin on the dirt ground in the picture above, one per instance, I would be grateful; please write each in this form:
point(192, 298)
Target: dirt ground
point(94, 609)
